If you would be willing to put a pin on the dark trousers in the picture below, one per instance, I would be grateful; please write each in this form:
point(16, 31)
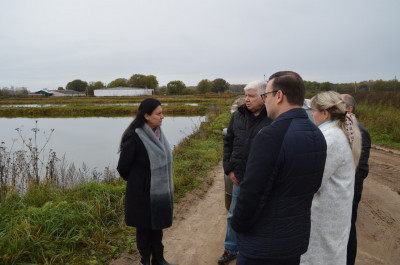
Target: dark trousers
point(352, 245)
point(241, 260)
point(147, 238)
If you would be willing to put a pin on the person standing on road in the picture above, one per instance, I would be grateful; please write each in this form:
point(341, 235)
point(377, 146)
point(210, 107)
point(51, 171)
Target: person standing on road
point(245, 123)
point(361, 173)
point(284, 170)
point(332, 204)
point(145, 162)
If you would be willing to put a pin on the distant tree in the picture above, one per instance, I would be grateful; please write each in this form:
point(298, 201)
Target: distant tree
point(204, 86)
point(189, 90)
point(176, 87)
point(379, 85)
point(136, 80)
point(219, 85)
point(151, 82)
point(311, 86)
point(393, 85)
point(119, 82)
point(5, 92)
point(60, 88)
point(143, 81)
point(94, 85)
point(161, 90)
point(363, 87)
point(326, 86)
point(77, 85)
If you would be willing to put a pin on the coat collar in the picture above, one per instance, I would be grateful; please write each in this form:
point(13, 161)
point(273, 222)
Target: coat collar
point(292, 114)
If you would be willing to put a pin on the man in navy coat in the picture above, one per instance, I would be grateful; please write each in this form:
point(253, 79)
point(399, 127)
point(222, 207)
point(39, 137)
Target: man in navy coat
point(284, 170)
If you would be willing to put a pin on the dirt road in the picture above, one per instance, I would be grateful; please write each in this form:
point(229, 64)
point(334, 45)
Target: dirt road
point(198, 232)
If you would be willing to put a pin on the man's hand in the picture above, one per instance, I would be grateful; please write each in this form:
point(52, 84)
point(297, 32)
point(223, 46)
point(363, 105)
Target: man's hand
point(233, 178)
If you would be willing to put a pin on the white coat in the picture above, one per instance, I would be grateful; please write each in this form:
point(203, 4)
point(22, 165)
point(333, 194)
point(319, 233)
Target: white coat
point(332, 204)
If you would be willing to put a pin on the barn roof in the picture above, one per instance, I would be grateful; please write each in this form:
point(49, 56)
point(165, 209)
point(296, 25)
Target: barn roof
point(122, 88)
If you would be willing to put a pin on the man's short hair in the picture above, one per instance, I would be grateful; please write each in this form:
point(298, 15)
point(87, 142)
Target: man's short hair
point(291, 84)
point(349, 101)
point(259, 86)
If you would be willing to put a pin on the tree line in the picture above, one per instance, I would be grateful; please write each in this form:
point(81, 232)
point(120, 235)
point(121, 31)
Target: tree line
point(175, 87)
point(178, 87)
point(378, 85)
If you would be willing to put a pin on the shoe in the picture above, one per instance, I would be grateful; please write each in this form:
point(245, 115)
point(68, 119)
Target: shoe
point(226, 257)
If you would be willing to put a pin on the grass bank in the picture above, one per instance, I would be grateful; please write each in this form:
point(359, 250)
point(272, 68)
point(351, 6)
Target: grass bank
point(106, 106)
point(84, 225)
point(94, 111)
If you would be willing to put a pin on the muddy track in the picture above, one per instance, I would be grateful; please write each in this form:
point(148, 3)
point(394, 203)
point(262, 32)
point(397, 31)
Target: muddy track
point(198, 231)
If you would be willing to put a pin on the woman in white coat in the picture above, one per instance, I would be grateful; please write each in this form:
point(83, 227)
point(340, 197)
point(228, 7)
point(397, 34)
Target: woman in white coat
point(332, 204)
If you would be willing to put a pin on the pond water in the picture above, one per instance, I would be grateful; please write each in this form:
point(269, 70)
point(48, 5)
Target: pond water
point(92, 140)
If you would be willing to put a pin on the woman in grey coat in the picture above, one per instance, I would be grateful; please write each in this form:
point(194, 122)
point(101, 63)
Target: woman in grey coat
point(145, 162)
point(332, 204)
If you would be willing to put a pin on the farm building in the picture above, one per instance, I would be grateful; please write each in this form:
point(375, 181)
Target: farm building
point(122, 91)
point(45, 93)
point(66, 93)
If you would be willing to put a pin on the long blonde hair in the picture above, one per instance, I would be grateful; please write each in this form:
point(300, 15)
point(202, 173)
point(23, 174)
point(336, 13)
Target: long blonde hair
point(333, 103)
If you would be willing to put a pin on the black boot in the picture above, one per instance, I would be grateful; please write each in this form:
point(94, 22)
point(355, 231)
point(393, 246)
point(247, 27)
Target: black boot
point(158, 256)
point(144, 257)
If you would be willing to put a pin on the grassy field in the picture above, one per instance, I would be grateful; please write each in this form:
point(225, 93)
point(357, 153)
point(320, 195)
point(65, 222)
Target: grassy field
point(84, 225)
point(380, 113)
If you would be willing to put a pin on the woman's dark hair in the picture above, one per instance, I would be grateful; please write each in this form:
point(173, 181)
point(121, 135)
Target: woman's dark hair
point(146, 106)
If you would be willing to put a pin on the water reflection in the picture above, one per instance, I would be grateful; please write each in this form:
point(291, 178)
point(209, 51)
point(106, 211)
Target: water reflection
point(93, 140)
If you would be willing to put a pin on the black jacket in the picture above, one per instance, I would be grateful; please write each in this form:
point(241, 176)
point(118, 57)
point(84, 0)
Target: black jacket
point(363, 167)
point(242, 128)
point(134, 167)
point(284, 170)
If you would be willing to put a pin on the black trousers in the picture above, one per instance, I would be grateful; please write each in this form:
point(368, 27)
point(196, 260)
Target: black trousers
point(352, 245)
point(148, 238)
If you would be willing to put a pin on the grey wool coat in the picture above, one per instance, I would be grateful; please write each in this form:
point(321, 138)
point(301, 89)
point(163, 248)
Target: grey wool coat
point(146, 165)
point(332, 204)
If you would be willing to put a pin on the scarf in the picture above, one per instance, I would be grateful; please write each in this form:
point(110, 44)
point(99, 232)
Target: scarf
point(161, 187)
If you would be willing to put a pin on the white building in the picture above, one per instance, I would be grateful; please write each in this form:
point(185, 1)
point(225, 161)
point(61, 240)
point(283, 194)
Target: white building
point(122, 91)
point(66, 93)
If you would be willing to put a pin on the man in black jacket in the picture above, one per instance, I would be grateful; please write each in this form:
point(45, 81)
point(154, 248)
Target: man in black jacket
point(361, 173)
point(284, 170)
point(245, 123)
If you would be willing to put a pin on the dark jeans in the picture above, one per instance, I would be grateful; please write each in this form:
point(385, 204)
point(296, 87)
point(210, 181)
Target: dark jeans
point(241, 260)
point(147, 238)
point(352, 245)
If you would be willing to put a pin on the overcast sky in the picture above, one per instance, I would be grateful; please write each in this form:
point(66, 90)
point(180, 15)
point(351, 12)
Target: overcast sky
point(48, 43)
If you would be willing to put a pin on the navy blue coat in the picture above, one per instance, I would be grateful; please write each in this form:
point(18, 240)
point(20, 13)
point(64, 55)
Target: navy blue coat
point(284, 170)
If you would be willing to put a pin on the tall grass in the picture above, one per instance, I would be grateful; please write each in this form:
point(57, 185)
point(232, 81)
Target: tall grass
point(77, 226)
point(84, 224)
point(382, 122)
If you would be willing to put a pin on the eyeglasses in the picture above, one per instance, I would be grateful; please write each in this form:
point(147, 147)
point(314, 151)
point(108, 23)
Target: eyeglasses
point(264, 95)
